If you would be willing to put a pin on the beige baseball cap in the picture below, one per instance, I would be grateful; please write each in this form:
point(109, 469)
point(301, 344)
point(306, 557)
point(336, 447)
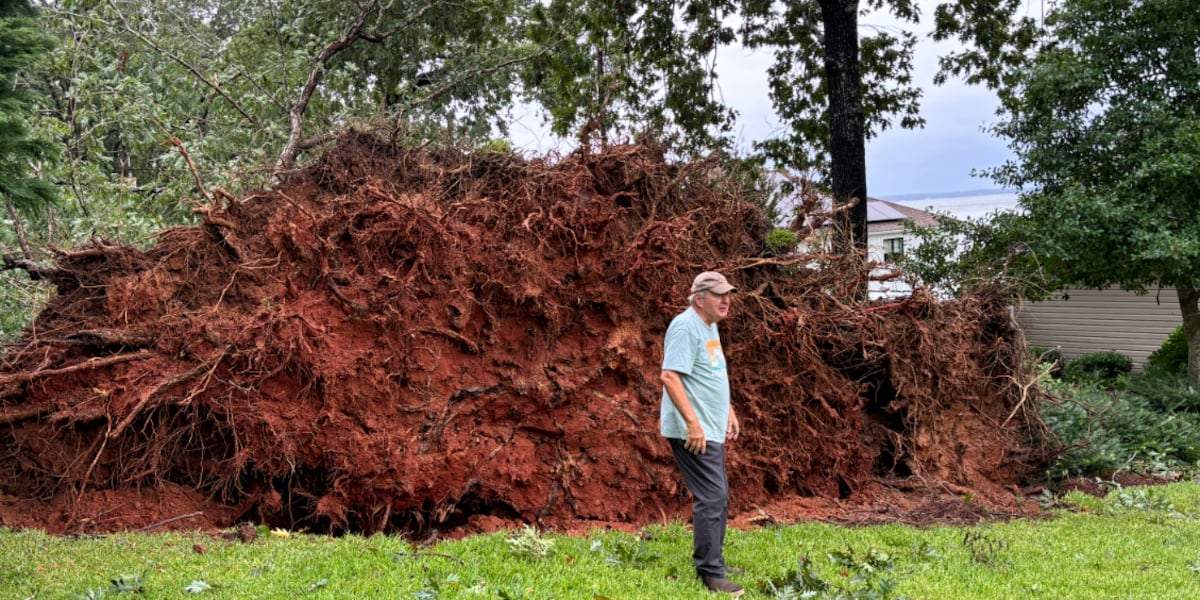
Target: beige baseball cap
point(712, 281)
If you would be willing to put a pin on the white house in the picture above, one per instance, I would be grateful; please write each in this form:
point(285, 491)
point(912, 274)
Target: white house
point(1075, 321)
point(887, 240)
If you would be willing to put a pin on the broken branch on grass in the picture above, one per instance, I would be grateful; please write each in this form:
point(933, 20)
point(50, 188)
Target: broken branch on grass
point(169, 521)
point(415, 554)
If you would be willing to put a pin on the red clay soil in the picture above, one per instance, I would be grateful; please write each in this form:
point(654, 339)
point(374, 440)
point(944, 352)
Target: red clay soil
point(416, 340)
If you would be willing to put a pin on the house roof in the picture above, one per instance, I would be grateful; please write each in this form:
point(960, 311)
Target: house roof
point(888, 216)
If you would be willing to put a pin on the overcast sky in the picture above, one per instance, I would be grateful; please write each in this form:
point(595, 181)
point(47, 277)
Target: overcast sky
point(938, 159)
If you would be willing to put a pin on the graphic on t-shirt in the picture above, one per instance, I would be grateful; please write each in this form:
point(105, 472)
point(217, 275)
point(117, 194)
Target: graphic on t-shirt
point(716, 358)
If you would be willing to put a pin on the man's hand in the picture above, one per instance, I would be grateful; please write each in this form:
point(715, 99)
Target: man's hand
point(735, 427)
point(695, 443)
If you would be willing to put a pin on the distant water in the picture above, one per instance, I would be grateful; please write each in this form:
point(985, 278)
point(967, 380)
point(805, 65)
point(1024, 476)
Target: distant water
point(963, 205)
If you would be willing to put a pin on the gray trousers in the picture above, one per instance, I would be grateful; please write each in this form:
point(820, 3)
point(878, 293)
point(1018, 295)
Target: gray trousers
point(704, 475)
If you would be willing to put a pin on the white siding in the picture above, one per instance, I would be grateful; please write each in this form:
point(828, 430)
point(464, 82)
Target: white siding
point(893, 288)
point(1098, 320)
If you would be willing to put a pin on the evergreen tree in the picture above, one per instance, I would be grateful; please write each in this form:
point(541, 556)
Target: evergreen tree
point(21, 45)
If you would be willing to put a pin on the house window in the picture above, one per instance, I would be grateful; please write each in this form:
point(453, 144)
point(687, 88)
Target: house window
point(893, 249)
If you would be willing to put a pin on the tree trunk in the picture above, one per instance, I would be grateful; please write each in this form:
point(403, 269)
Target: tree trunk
point(847, 127)
point(19, 227)
point(1189, 306)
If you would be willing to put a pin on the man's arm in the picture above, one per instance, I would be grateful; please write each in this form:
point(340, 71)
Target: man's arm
point(695, 442)
point(735, 426)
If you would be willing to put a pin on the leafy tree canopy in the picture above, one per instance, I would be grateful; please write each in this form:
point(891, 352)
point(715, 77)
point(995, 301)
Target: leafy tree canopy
point(1105, 126)
point(1104, 122)
point(159, 101)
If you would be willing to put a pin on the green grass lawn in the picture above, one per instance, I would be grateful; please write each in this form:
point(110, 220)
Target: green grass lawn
point(1137, 543)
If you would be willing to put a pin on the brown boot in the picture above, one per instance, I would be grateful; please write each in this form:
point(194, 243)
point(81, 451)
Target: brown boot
point(720, 584)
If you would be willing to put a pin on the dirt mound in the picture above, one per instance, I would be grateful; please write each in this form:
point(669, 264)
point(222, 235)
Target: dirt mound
point(413, 339)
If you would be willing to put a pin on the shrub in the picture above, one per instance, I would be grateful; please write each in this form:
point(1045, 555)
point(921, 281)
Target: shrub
point(1172, 356)
point(1105, 431)
point(1100, 367)
point(781, 241)
point(1168, 393)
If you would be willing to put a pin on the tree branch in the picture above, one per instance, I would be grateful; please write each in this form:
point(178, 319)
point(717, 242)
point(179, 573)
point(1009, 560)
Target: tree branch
point(19, 227)
point(37, 272)
point(290, 150)
point(186, 65)
point(471, 74)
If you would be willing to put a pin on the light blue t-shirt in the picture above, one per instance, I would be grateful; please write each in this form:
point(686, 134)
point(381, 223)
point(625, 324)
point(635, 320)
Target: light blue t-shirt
point(693, 349)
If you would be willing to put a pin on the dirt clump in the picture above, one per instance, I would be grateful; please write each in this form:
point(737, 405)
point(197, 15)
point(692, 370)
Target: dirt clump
point(416, 340)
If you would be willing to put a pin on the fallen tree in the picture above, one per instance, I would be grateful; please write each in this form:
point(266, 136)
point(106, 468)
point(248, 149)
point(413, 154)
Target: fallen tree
point(400, 339)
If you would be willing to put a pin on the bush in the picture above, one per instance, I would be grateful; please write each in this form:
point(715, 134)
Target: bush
point(1172, 356)
point(1167, 393)
point(1100, 367)
point(781, 241)
point(1154, 423)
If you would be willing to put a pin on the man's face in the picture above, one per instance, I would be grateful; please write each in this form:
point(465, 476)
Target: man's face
point(712, 307)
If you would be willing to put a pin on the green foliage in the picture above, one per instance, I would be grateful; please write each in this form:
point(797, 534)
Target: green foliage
point(1104, 123)
point(20, 300)
point(1083, 502)
point(137, 83)
point(796, 33)
point(529, 543)
point(958, 255)
point(1166, 393)
point(1172, 357)
point(801, 582)
point(625, 68)
point(1130, 552)
point(1144, 499)
point(638, 555)
point(450, 587)
point(864, 576)
point(1151, 426)
point(781, 241)
point(1099, 367)
point(23, 43)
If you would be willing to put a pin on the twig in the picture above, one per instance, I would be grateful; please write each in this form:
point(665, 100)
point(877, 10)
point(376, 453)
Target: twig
point(186, 65)
point(19, 226)
point(415, 554)
point(168, 521)
point(21, 413)
point(174, 141)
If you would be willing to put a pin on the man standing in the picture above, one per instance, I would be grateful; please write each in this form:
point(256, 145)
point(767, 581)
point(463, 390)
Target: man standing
point(697, 418)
